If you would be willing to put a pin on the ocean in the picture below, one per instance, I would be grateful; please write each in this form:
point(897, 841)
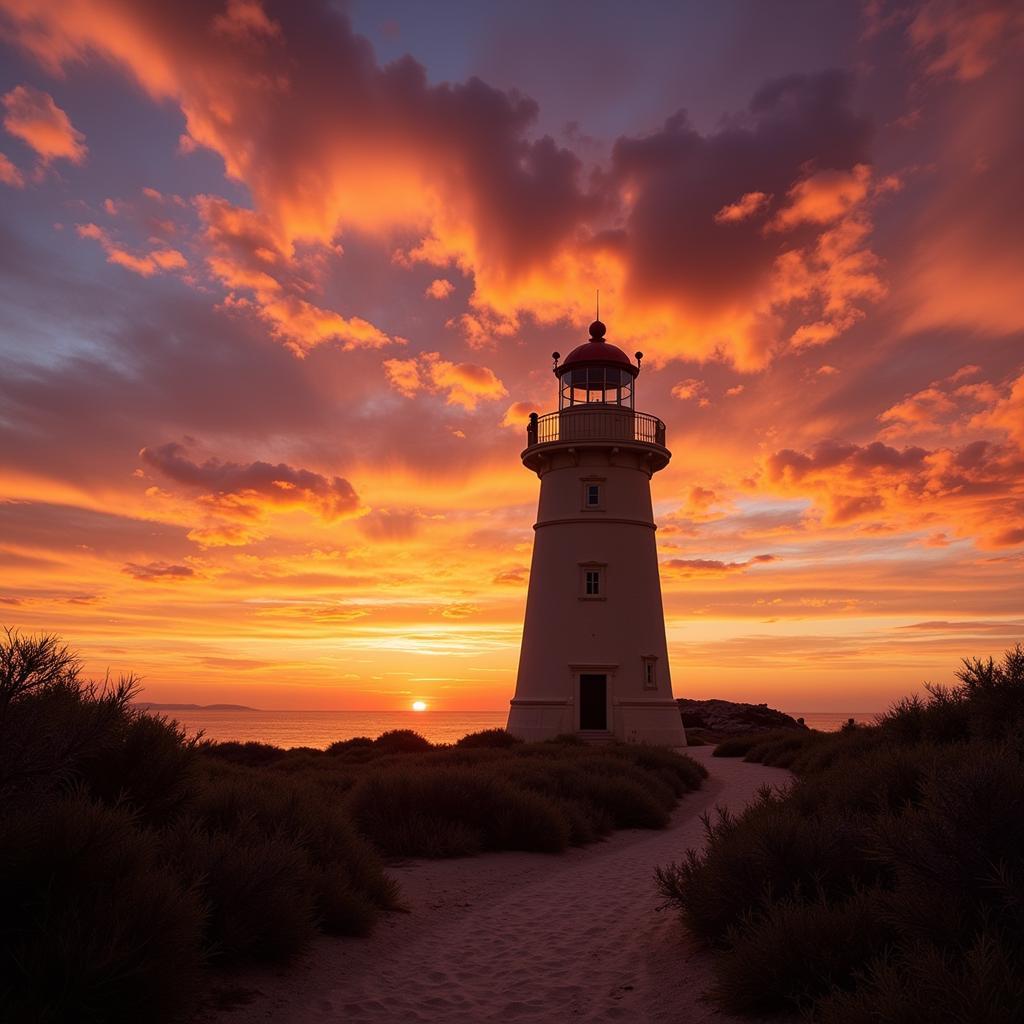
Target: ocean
point(321, 728)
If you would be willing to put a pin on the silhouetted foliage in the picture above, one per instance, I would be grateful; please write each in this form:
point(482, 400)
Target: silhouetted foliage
point(134, 859)
point(402, 741)
point(355, 743)
point(887, 881)
point(94, 927)
point(499, 738)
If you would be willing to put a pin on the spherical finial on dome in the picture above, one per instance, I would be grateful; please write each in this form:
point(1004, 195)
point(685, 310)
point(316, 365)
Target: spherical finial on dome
point(597, 331)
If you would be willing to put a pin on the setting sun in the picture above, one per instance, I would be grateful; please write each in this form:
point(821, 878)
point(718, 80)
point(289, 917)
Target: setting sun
point(419, 705)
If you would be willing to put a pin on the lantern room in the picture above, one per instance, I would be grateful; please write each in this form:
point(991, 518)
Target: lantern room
point(596, 373)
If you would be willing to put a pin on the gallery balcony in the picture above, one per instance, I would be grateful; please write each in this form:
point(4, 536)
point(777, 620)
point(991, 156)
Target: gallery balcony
point(592, 424)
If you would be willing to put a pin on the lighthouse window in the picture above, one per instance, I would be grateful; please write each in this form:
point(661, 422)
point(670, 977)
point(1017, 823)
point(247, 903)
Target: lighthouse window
point(593, 582)
point(593, 495)
point(649, 668)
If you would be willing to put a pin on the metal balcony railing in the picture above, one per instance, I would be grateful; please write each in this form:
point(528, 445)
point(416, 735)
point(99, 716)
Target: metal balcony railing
point(595, 423)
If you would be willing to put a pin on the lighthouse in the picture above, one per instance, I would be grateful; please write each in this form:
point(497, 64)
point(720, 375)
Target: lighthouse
point(594, 661)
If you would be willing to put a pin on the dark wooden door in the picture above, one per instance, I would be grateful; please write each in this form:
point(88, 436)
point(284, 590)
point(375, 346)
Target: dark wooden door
point(593, 701)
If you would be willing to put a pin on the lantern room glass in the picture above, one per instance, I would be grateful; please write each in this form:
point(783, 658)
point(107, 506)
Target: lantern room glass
point(595, 385)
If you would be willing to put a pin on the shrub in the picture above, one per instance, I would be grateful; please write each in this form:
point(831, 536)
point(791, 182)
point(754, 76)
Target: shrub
point(887, 882)
point(964, 839)
point(775, 746)
point(736, 746)
point(794, 952)
point(494, 738)
point(780, 749)
point(146, 762)
point(250, 753)
point(567, 739)
point(132, 856)
point(983, 984)
point(437, 812)
point(772, 851)
point(345, 746)
point(297, 812)
point(681, 773)
point(402, 741)
point(94, 927)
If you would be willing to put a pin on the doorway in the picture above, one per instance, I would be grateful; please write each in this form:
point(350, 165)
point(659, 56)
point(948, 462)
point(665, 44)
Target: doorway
point(593, 701)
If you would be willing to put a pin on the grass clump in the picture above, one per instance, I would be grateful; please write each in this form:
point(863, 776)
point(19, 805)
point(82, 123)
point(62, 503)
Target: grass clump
point(887, 881)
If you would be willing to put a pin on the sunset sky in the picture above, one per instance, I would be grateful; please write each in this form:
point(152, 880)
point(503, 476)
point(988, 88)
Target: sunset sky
point(280, 284)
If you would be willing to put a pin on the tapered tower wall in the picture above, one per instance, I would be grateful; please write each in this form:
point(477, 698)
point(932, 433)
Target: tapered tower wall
point(618, 633)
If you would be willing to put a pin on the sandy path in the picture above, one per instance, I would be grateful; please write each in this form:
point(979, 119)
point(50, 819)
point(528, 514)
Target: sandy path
point(515, 937)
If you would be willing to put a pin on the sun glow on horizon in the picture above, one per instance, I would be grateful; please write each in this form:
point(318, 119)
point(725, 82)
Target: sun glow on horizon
point(419, 705)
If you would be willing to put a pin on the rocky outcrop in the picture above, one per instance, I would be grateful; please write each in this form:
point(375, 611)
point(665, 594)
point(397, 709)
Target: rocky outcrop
point(727, 718)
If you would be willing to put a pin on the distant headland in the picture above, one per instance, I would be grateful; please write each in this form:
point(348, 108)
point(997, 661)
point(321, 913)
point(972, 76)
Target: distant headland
point(146, 705)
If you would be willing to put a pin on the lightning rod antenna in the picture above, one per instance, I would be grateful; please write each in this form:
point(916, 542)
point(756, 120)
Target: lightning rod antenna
point(598, 304)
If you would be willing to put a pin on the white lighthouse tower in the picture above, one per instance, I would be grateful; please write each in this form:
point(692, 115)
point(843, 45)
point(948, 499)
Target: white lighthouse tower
point(594, 661)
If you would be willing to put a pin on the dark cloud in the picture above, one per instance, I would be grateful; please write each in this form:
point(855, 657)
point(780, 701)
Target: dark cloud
point(243, 488)
point(681, 179)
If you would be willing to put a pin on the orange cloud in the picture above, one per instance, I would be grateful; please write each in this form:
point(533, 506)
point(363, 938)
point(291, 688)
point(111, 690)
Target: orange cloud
point(32, 116)
point(746, 206)
point(228, 492)
point(247, 255)
point(463, 384)
point(517, 414)
point(439, 289)
point(976, 490)
point(713, 567)
point(689, 388)
point(9, 174)
point(403, 375)
point(963, 39)
point(823, 197)
point(458, 168)
point(146, 265)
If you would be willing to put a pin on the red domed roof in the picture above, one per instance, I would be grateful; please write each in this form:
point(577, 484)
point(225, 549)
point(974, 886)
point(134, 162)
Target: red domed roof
point(598, 352)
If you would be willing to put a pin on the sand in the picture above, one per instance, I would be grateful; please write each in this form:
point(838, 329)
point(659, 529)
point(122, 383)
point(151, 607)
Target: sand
point(516, 937)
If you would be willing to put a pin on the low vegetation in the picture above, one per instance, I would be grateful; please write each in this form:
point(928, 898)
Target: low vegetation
point(135, 860)
point(886, 883)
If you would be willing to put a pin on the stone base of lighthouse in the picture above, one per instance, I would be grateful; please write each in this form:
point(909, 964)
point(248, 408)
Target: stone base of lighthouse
point(594, 660)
